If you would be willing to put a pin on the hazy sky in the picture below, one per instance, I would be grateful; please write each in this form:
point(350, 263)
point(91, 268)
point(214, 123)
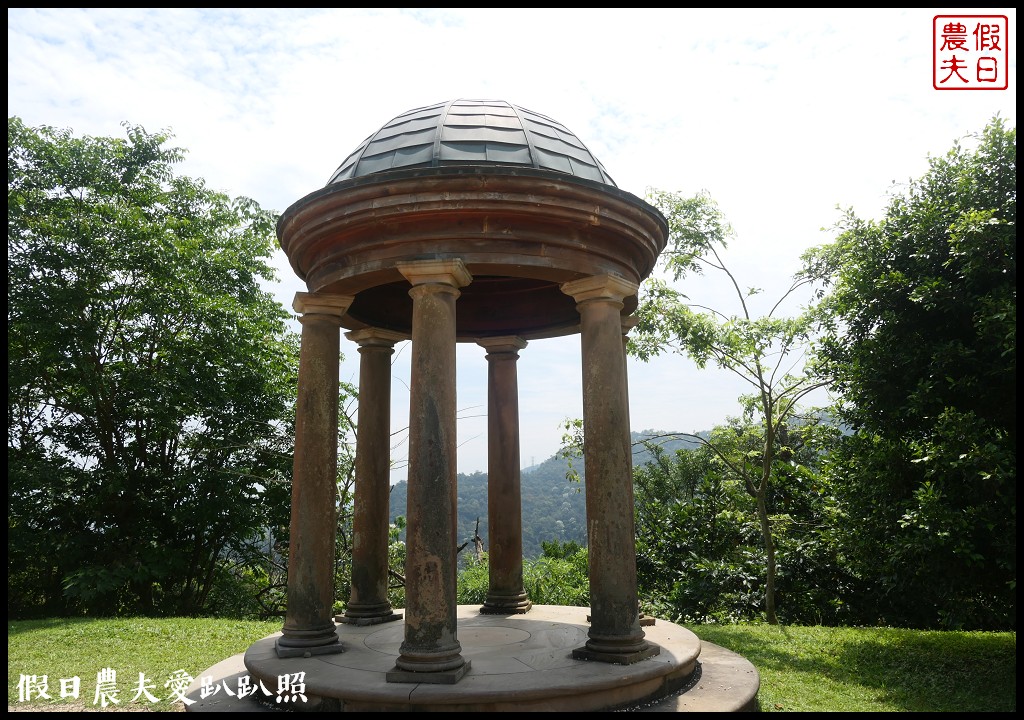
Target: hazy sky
point(781, 115)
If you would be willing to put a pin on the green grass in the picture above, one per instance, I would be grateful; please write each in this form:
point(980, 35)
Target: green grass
point(803, 669)
point(65, 648)
point(818, 669)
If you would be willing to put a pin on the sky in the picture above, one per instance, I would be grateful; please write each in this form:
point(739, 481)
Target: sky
point(784, 117)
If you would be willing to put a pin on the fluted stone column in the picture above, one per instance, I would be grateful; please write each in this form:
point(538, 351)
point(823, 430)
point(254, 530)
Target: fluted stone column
point(505, 593)
point(368, 603)
point(615, 635)
point(431, 651)
point(308, 626)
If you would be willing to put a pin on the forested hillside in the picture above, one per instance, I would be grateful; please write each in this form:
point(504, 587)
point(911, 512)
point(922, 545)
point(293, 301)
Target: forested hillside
point(554, 508)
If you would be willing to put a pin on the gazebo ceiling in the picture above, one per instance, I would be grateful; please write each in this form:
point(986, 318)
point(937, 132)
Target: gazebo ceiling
point(513, 194)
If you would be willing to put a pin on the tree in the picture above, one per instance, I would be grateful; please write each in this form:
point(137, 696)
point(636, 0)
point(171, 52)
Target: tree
point(700, 554)
point(689, 525)
point(920, 337)
point(760, 350)
point(151, 376)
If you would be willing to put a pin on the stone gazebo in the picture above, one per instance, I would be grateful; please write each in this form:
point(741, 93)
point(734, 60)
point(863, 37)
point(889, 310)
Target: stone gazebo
point(480, 222)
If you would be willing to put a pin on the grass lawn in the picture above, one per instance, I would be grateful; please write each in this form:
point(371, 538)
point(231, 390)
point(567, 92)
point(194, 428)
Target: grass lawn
point(820, 669)
point(803, 669)
point(158, 648)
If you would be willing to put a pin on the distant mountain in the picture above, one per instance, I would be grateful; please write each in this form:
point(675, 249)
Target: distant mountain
point(668, 441)
point(554, 508)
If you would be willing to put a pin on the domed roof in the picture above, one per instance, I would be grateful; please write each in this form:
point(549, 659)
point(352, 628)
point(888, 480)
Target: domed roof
point(472, 132)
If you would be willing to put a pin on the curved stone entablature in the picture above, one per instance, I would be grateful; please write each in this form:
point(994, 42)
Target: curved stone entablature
point(520, 232)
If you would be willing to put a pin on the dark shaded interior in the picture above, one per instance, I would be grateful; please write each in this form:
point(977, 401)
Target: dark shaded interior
point(489, 306)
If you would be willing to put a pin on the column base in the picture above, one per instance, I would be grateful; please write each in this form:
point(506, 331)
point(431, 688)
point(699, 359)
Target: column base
point(369, 619)
point(289, 651)
point(437, 677)
point(616, 658)
point(645, 620)
point(506, 606)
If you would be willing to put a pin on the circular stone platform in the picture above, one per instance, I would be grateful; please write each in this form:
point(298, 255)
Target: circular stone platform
point(518, 663)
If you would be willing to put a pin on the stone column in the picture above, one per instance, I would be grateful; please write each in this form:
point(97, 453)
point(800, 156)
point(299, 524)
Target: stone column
point(615, 634)
point(368, 603)
point(308, 625)
point(627, 323)
point(505, 593)
point(431, 651)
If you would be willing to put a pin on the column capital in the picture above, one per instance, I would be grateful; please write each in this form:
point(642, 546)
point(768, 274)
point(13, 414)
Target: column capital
point(450, 271)
point(375, 337)
point(628, 323)
point(600, 287)
point(321, 304)
point(503, 344)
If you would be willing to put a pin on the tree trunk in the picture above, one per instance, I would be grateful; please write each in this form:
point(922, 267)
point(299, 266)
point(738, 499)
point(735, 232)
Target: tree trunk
point(769, 548)
point(478, 543)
